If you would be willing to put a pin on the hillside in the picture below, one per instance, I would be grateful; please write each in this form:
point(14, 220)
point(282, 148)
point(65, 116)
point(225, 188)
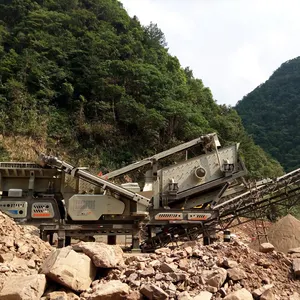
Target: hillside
point(271, 114)
point(83, 80)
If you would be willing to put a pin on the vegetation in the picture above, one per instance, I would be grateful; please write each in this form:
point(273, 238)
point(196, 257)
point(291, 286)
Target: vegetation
point(83, 77)
point(271, 114)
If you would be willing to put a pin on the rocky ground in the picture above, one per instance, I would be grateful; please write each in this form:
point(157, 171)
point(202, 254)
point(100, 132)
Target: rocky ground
point(32, 269)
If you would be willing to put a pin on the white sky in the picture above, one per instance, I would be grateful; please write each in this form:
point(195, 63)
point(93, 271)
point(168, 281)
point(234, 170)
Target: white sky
point(232, 45)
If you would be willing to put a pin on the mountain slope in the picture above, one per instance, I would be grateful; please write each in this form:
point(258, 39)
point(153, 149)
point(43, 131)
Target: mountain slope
point(271, 114)
point(87, 82)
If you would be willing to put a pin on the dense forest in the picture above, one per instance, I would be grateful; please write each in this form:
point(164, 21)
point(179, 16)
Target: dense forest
point(88, 81)
point(271, 114)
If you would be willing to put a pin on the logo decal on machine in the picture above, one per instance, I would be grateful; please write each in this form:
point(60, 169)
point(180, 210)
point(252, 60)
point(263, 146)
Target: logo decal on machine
point(169, 216)
point(198, 216)
point(42, 210)
point(15, 209)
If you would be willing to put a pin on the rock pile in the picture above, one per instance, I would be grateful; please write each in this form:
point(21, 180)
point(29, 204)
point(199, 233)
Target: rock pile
point(219, 271)
point(96, 271)
point(17, 241)
point(285, 233)
point(21, 255)
point(230, 271)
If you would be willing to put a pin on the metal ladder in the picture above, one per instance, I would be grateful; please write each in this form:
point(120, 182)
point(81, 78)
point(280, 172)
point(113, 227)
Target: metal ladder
point(261, 232)
point(260, 228)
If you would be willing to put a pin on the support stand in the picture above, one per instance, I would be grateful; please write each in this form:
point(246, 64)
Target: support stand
point(111, 239)
point(136, 239)
point(61, 238)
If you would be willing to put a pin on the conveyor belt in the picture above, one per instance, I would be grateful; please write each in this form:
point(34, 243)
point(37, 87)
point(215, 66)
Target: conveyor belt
point(284, 190)
point(88, 177)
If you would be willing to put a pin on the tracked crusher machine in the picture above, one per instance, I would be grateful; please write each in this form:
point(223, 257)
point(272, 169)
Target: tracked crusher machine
point(188, 191)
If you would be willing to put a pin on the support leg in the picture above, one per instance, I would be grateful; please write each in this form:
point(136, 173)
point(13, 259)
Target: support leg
point(43, 235)
point(51, 239)
point(151, 232)
point(111, 239)
point(68, 241)
point(209, 236)
point(136, 244)
point(136, 240)
point(61, 238)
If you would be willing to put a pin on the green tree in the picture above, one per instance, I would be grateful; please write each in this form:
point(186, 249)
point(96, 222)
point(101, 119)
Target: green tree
point(92, 82)
point(270, 114)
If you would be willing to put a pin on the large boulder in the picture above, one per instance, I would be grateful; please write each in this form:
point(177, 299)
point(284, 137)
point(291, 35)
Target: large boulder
point(154, 292)
point(112, 290)
point(23, 287)
point(290, 251)
point(228, 263)
point(168, 268)
point(6, 257)
point(258, 292)
point(184, 296)
point(295, 296)
point(242, 294)
point(267, 295)
point(73, 270)
point(236, 274)
point(296, 266)
point(266, 247)
point(57, 296)
point(134, 295)
point(163, 251)
point(102, 255)
point(204, 295)
point(216, 277)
